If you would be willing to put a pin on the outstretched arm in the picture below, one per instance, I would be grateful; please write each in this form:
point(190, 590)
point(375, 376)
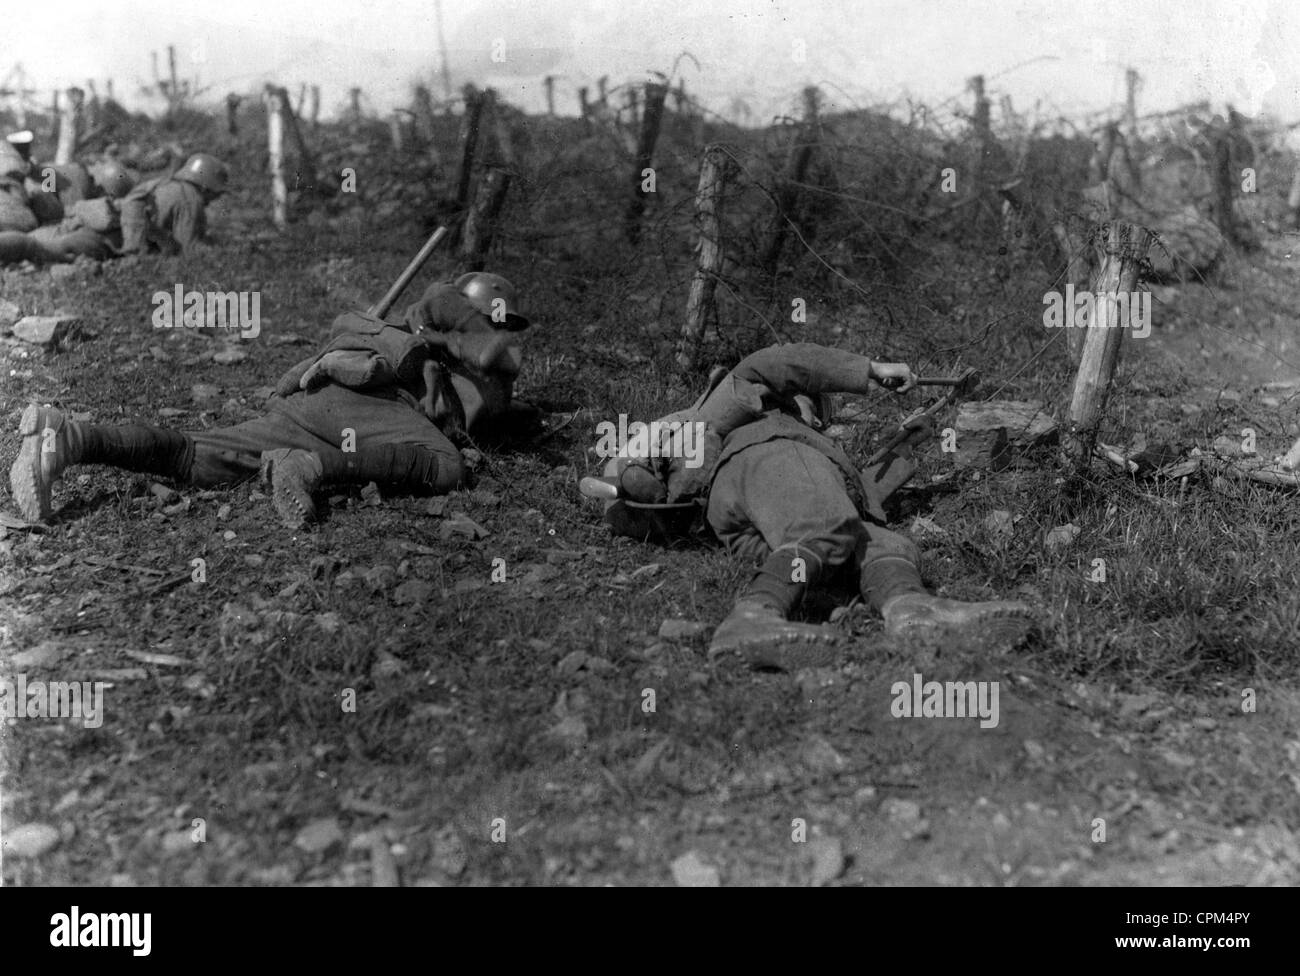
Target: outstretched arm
point(810, 369)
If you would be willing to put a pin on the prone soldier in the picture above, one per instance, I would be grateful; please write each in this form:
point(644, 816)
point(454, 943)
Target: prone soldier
point(778, 493)
point(394, 392)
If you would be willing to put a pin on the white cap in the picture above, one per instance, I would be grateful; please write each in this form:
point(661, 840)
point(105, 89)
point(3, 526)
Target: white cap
point(22, 138)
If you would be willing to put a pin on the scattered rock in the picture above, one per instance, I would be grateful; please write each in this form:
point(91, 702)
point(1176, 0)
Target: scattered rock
point(690, 871)
point(204, 393)
point(44, 330)
point(682, 630)
point(905, 812)
point(9, 313)
point(461, 524)
point(30, 840)
point(319, 836)
point(229, 356)
point(414, 591)
point(820, 757)
point(448, 855)
point(386, 666)
point(223, 513)
point(993, 433)
point(1000, 523)
point(177, 842)
point(922, 526)
point(168, 496)
point(43, 655)
point(827, 860)
point(1061, 536)
point(571, 731)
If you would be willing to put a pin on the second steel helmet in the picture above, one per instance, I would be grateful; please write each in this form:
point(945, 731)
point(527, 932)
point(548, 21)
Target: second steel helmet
point(495, 297)
point(206, 172)
point(115, 179)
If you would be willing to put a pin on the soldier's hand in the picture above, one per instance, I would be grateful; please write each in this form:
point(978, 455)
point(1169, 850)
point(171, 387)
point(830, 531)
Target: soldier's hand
point(897, 377)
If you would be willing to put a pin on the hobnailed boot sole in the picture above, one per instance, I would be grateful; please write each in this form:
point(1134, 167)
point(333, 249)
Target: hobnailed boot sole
point(290, 494)
point(995, 623)
point(775, 642)
point(28, 480)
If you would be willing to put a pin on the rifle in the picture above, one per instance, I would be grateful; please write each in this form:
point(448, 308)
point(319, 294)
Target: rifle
point(961, 385)
point(385, 304)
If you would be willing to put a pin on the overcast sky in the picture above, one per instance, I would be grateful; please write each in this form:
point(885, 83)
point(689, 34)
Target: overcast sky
point(1246, 52)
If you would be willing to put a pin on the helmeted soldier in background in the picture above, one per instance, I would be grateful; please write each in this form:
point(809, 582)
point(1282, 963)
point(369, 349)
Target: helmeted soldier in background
point(378, 403)
point(168, 214)
point(780, 494)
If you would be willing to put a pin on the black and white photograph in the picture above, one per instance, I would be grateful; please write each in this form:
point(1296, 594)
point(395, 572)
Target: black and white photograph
point(617, 443)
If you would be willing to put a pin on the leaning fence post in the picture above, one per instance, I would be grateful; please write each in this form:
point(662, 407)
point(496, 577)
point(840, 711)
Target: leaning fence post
point(700, 307)
point(1114, 295)
point(481, 220)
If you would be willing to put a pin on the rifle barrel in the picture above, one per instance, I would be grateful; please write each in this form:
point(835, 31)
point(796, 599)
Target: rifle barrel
point(395, 292)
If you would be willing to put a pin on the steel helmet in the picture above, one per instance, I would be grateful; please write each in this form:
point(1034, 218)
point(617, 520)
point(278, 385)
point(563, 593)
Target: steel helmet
point(206, 172)
point(115, 179)
point(493, 296)
point(22, 142)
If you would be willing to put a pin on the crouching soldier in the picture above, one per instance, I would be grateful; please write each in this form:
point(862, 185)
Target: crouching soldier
point(379, 403)
point(785, 497)
point(169, 213)
point(92, 227)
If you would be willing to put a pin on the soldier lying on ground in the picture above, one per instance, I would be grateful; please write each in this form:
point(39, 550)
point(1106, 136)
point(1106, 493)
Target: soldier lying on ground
point(90, 226)
point(781, 495)
point(379, 403)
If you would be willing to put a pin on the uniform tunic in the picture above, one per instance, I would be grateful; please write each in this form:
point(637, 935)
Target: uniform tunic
point(380, 394)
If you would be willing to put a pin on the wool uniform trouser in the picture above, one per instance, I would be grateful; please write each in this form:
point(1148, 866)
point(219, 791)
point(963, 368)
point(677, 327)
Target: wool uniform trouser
point(360, 437)
point(782, 500)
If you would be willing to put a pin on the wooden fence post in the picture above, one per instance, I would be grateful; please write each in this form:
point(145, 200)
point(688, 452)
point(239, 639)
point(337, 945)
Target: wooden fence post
point(273, 99)
point(481, 220)
point(354, 106)
point(69, 126)
point(470, 124)
point(306, 175)
point(700, 307)
point(395, 129)
point(1224, 183)
point(315, 107)
point(549, 82)
point(425, 120)
point(645, 148)
point(1114, 299)
point(173, 86)
point(787, 190)
point(232, 108)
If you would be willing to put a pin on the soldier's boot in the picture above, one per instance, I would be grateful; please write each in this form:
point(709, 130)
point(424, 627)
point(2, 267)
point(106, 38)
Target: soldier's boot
point(293, 475)
point(761, 634)
point(51, 443)
point(995, 624)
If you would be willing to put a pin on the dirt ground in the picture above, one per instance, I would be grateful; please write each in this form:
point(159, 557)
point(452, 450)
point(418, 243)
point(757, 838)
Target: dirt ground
point(502, 735)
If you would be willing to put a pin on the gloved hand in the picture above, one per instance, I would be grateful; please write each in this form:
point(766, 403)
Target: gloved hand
point(897, 377)
point(351, 369)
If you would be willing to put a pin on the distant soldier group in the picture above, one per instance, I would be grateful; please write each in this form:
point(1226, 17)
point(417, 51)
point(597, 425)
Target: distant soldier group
point(52, 213)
